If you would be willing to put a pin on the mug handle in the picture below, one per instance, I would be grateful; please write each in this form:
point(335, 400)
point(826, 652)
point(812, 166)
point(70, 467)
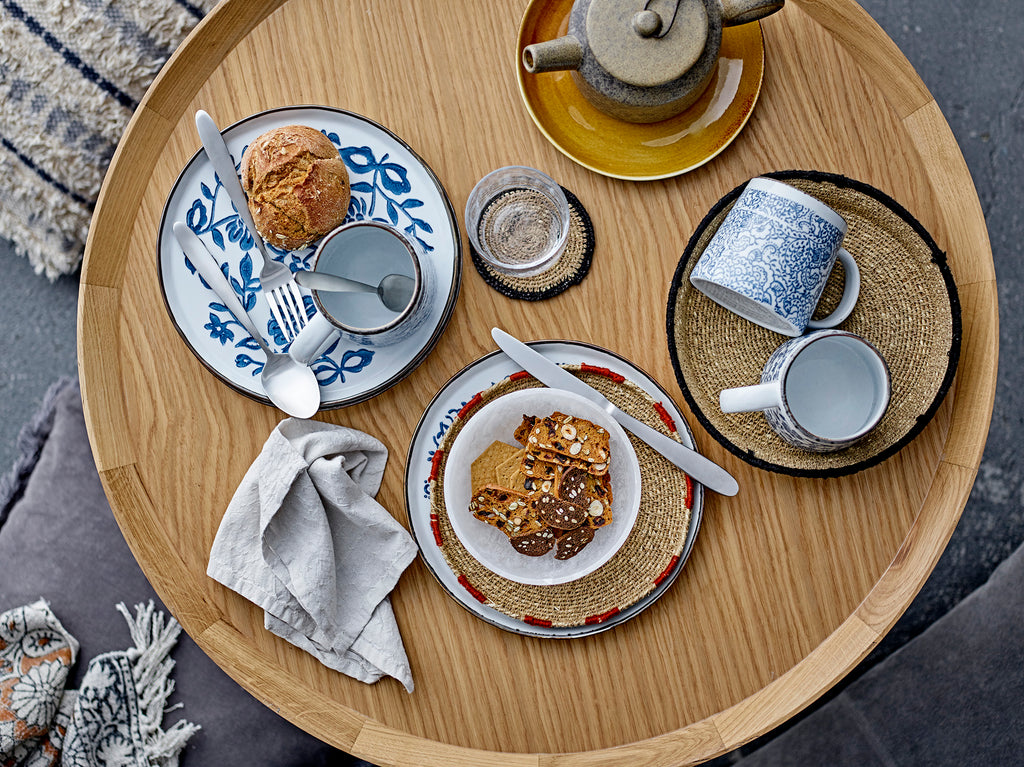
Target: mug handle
point(746, 399)
point(851, 290)
point(312, 339)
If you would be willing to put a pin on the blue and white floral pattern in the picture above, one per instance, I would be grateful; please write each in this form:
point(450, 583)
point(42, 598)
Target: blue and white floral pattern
point(775, 252)
point(384, 197)
point(447, 419)
point(115, 716)
point(390, 185)
point(780, 418)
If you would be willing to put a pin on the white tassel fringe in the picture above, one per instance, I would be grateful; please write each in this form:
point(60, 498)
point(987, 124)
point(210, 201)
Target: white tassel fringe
point(151, 669)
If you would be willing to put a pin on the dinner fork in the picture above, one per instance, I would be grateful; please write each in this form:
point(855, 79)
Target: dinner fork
point(276, 280)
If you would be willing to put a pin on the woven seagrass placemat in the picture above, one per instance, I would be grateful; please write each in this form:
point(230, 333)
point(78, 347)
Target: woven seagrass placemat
point(908, 308)
point(647, 557)
point(570, 270)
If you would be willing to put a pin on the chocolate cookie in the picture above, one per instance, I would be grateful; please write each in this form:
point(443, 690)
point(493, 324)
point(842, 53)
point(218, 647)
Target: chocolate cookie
point(560, 513)
point(574, 485)
point(592, 492)
point(535, 544)
point(573, 542)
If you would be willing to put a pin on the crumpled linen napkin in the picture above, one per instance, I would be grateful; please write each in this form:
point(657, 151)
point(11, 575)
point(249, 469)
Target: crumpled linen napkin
point(304, 539)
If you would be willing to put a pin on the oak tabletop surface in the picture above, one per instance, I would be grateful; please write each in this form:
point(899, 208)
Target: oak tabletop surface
point(790, 583)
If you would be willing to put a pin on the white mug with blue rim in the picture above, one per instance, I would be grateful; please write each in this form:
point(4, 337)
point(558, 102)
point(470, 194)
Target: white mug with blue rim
point(771, 257)
point(365, 251)
point(820, 392)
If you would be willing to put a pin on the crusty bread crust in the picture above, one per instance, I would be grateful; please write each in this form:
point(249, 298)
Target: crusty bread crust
point(297, 185)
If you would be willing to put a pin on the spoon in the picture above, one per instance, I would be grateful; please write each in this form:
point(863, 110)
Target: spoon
point(291, 386)
point(395, 290)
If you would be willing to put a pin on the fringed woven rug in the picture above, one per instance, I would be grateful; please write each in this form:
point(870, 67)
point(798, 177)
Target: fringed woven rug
point(71, 74)
point(114, 718)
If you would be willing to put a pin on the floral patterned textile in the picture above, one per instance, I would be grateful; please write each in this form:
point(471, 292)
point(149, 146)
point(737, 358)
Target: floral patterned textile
point(36, 655)
point(114, 719)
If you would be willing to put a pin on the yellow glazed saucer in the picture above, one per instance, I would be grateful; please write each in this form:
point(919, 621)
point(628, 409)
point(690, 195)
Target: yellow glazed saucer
point(640, 151)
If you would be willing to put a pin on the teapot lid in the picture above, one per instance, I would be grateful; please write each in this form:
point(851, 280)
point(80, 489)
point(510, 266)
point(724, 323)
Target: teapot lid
point(647, 42)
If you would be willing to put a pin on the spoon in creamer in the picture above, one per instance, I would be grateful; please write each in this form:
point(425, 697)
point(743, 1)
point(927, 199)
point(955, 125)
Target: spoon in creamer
point(395, 290)
point(290, 385)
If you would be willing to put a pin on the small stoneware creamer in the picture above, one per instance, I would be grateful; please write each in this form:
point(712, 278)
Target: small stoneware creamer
point(643, 61)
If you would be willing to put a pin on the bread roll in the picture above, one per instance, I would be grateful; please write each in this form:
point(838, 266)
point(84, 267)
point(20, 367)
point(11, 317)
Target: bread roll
point(297, 185)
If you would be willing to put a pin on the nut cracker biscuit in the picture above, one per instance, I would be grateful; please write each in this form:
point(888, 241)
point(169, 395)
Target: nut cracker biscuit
point(511, 512)
point(522, 432)
point(538, 468)
point(577, 438)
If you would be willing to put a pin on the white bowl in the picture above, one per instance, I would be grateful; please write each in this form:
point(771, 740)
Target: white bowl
point(497, 420)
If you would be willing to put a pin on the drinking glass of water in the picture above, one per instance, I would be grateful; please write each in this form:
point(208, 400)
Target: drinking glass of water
point(517, 219)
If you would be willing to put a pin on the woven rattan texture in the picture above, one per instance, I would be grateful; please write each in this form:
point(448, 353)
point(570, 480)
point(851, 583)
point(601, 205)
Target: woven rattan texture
point(648, 555)
point(570, 270)
point(907, 307)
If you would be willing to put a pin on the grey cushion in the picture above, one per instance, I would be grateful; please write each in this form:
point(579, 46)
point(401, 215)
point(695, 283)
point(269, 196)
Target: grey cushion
point(951, 696)
point(60, 542)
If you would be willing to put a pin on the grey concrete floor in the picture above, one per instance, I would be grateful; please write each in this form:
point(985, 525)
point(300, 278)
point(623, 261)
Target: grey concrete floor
point(971, 57)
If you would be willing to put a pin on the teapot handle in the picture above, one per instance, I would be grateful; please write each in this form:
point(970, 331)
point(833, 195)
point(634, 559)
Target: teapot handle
point(736, 12)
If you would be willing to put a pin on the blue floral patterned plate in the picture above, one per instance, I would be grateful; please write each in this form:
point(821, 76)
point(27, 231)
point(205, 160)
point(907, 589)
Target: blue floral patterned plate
point(390, 183)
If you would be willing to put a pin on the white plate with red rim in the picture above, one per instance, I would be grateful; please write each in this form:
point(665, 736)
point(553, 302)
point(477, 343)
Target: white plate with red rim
point(438, 418)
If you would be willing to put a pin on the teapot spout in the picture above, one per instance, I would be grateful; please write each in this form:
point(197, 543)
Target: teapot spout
point(735, 12)
point(553, 55)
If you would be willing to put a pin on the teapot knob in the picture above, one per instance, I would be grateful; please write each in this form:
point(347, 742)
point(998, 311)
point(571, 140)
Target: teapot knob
point(647, 23)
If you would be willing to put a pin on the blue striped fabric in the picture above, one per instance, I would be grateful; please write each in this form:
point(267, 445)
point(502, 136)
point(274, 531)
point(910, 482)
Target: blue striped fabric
point(43, 175)
point(194, 10)
point(71, 74)
point(72, 58)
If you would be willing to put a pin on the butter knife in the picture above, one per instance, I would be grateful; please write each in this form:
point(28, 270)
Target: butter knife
point(273, 274)
point(219, 155)
point(708, 473)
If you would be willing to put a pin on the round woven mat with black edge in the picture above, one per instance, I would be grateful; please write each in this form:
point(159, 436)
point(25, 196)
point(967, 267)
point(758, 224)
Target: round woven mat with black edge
point(649, 555)
point(907, 307)
point(570, 270)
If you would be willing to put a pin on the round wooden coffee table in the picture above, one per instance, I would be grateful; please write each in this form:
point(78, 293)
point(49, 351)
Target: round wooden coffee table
point(790, 583)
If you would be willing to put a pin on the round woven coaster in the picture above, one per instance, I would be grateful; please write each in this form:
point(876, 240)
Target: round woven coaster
point(570, 270)
point(645, 559)
point(908, 308)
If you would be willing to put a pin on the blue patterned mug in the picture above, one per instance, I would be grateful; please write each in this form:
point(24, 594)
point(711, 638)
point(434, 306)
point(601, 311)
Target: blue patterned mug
point(821, 392)
point(771, 257)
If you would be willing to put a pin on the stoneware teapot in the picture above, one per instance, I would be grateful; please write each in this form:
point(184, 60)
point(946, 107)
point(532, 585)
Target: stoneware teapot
point(643, 61)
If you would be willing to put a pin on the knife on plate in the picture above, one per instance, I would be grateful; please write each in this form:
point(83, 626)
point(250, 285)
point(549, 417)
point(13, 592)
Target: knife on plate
point(219, 155)
point(708, 473)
